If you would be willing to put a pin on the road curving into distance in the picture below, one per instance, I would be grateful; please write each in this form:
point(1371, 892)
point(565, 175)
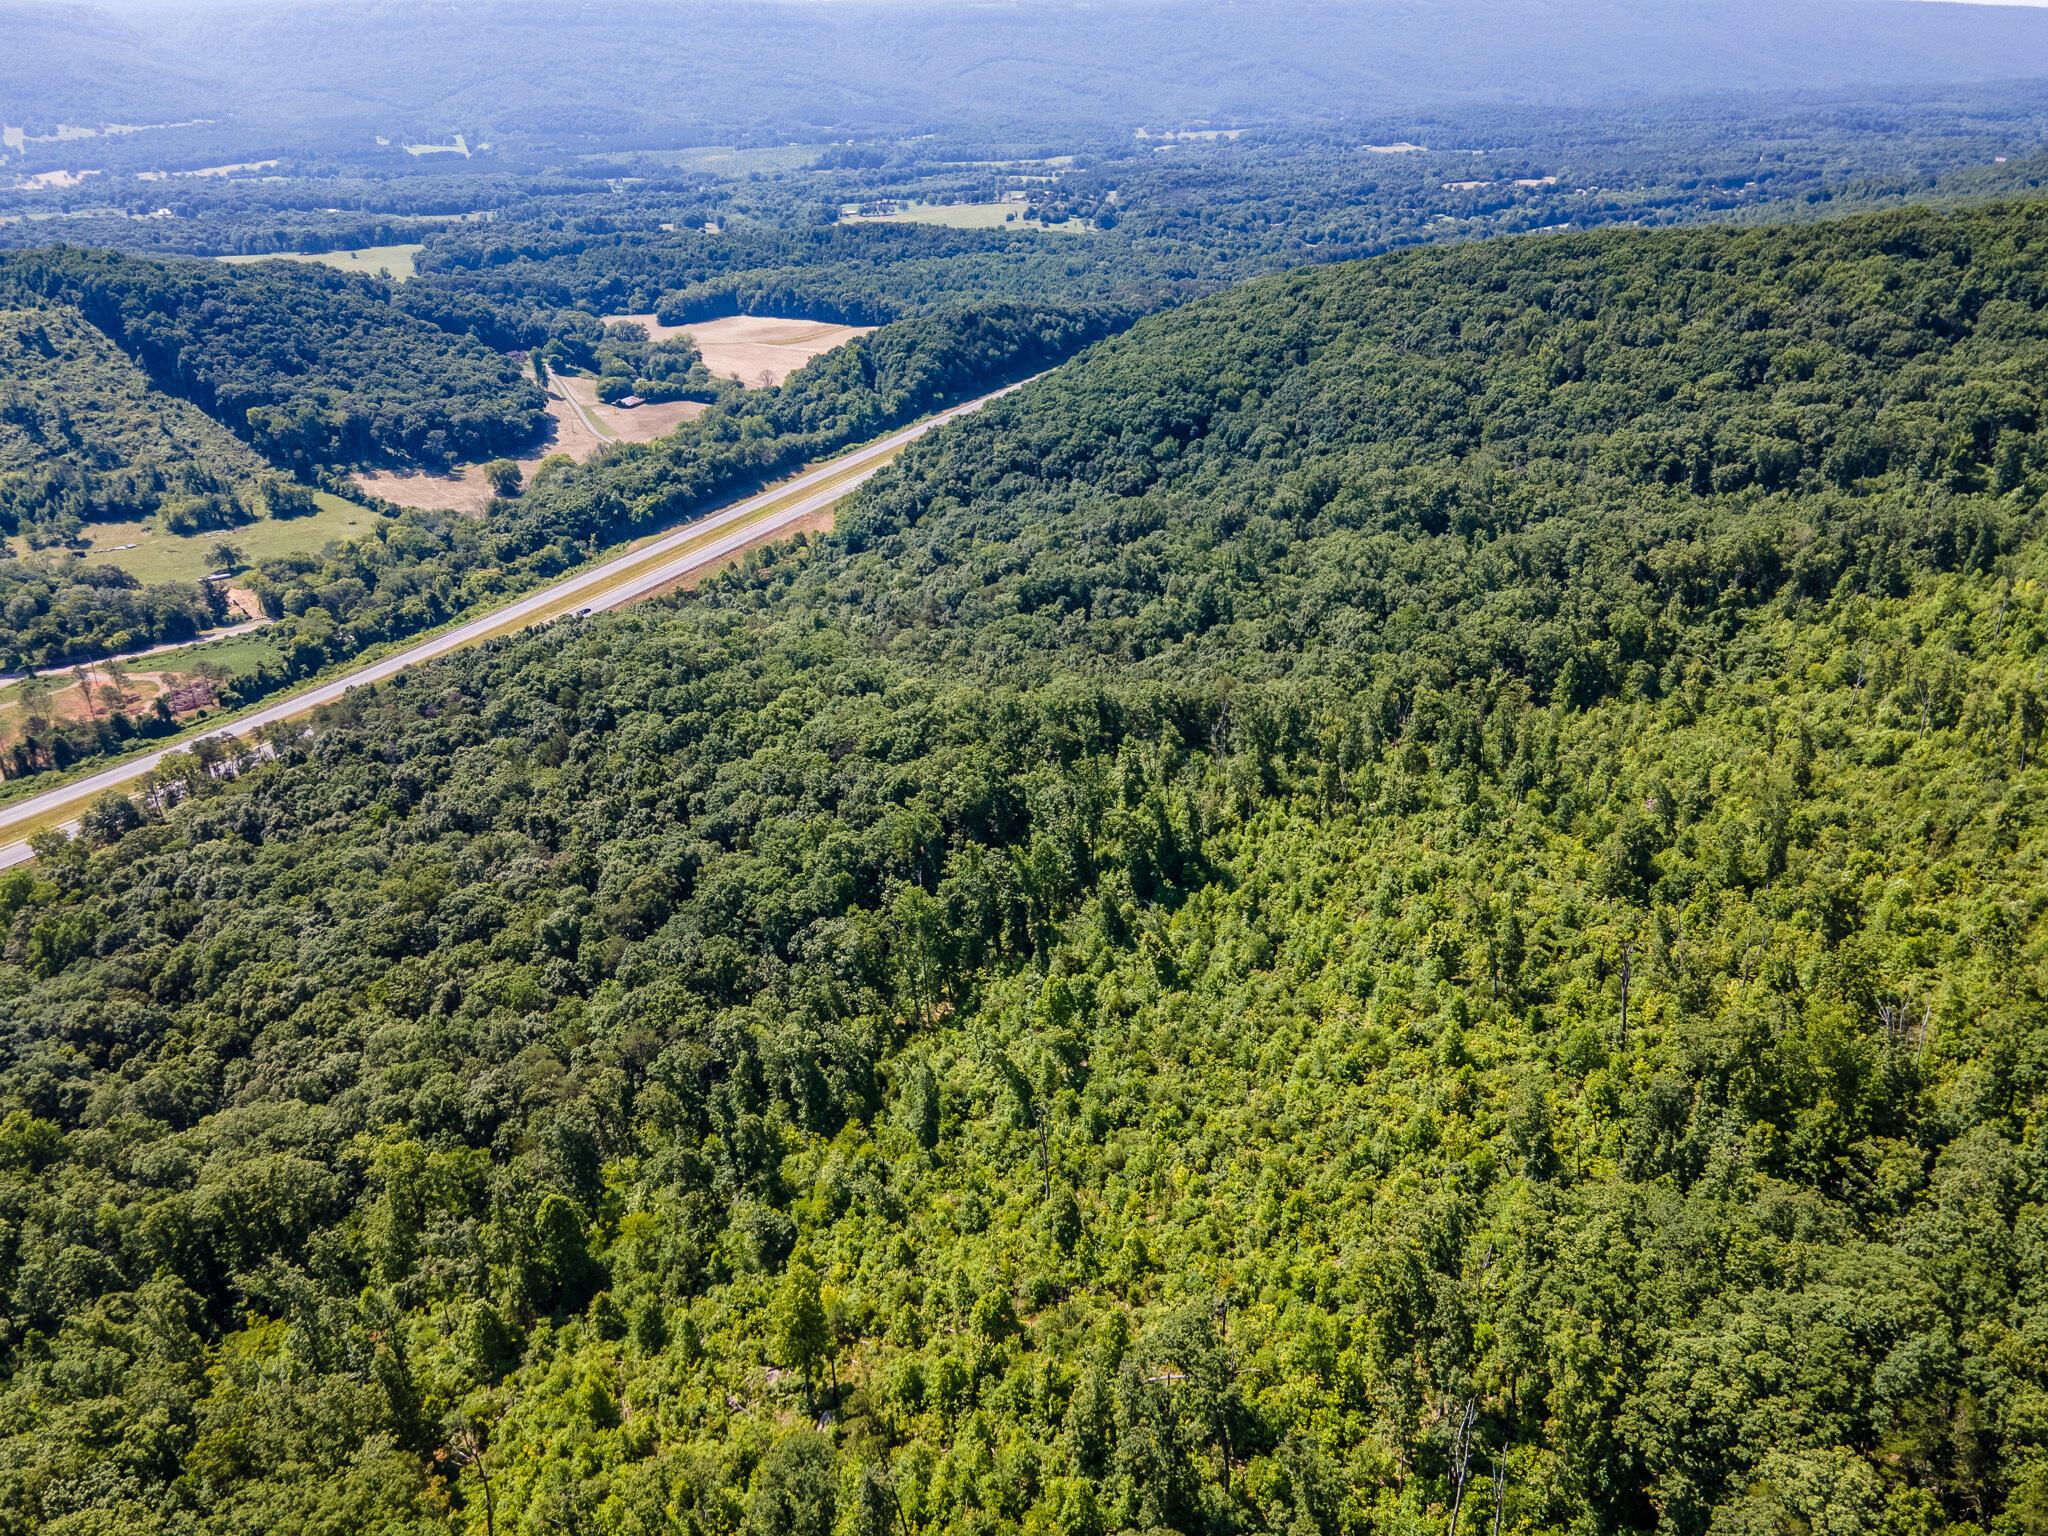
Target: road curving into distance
point(623, 579)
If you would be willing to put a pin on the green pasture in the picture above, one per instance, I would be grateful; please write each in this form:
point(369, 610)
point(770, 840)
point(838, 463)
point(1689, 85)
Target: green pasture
point(239, 655)
point(156, 555)
point(369, 260)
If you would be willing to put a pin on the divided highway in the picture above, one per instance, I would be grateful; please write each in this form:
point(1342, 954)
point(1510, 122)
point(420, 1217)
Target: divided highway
point(621, 580)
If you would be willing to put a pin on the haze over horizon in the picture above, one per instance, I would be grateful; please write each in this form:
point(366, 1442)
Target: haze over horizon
point(522, 72)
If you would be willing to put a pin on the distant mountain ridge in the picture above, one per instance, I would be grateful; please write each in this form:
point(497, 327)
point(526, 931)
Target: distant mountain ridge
point(532, 72)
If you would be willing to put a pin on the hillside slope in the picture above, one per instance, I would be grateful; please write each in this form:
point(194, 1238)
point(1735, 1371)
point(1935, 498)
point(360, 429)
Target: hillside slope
point(1417, 884)
point(309, 366)
point(84, 436)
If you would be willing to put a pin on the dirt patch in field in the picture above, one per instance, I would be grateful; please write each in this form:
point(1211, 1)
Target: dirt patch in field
point(644, 423)
point(459, 490)
point(755, 349)
point(67, 703)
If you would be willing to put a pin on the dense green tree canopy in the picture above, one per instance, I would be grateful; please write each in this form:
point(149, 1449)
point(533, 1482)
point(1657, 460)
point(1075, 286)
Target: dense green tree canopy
point(85, 437)
point(1417, 885)
point(308, 365)
point(56, 607)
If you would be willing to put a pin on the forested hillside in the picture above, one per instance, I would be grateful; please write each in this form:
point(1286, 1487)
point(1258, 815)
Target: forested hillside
point(309, 366)
point(857, 274)
point(1414, 887)
point(84, 437)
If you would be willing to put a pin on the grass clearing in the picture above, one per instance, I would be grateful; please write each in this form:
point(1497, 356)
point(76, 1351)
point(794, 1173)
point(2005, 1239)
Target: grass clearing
point(238, 653)
point(722, 159)
point(369, 260)
point(962, 216)
point(152, 554)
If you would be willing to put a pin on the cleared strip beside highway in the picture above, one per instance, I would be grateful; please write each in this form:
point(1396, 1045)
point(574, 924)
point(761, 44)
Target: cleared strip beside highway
point(621, 580)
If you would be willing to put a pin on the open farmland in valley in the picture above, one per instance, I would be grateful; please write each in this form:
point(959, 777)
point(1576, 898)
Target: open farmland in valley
point(393, 261)
point(755, 349)
point(154, 553)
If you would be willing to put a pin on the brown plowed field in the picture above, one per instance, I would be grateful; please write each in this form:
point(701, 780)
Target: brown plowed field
point(755, 349)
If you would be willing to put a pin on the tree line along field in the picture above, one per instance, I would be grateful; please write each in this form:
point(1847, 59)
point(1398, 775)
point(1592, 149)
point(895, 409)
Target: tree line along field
point(151, 552)
point(1410, 888)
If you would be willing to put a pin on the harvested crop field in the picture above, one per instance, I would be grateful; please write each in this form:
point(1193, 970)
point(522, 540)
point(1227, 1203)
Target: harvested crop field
point(465, 489)
point(755, 349)
point(458, 490)
point(640, 424)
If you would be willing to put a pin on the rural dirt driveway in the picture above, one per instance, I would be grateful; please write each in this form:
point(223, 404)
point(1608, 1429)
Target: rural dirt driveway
point(91, 663)
point(560, 389)
point(617, 582)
